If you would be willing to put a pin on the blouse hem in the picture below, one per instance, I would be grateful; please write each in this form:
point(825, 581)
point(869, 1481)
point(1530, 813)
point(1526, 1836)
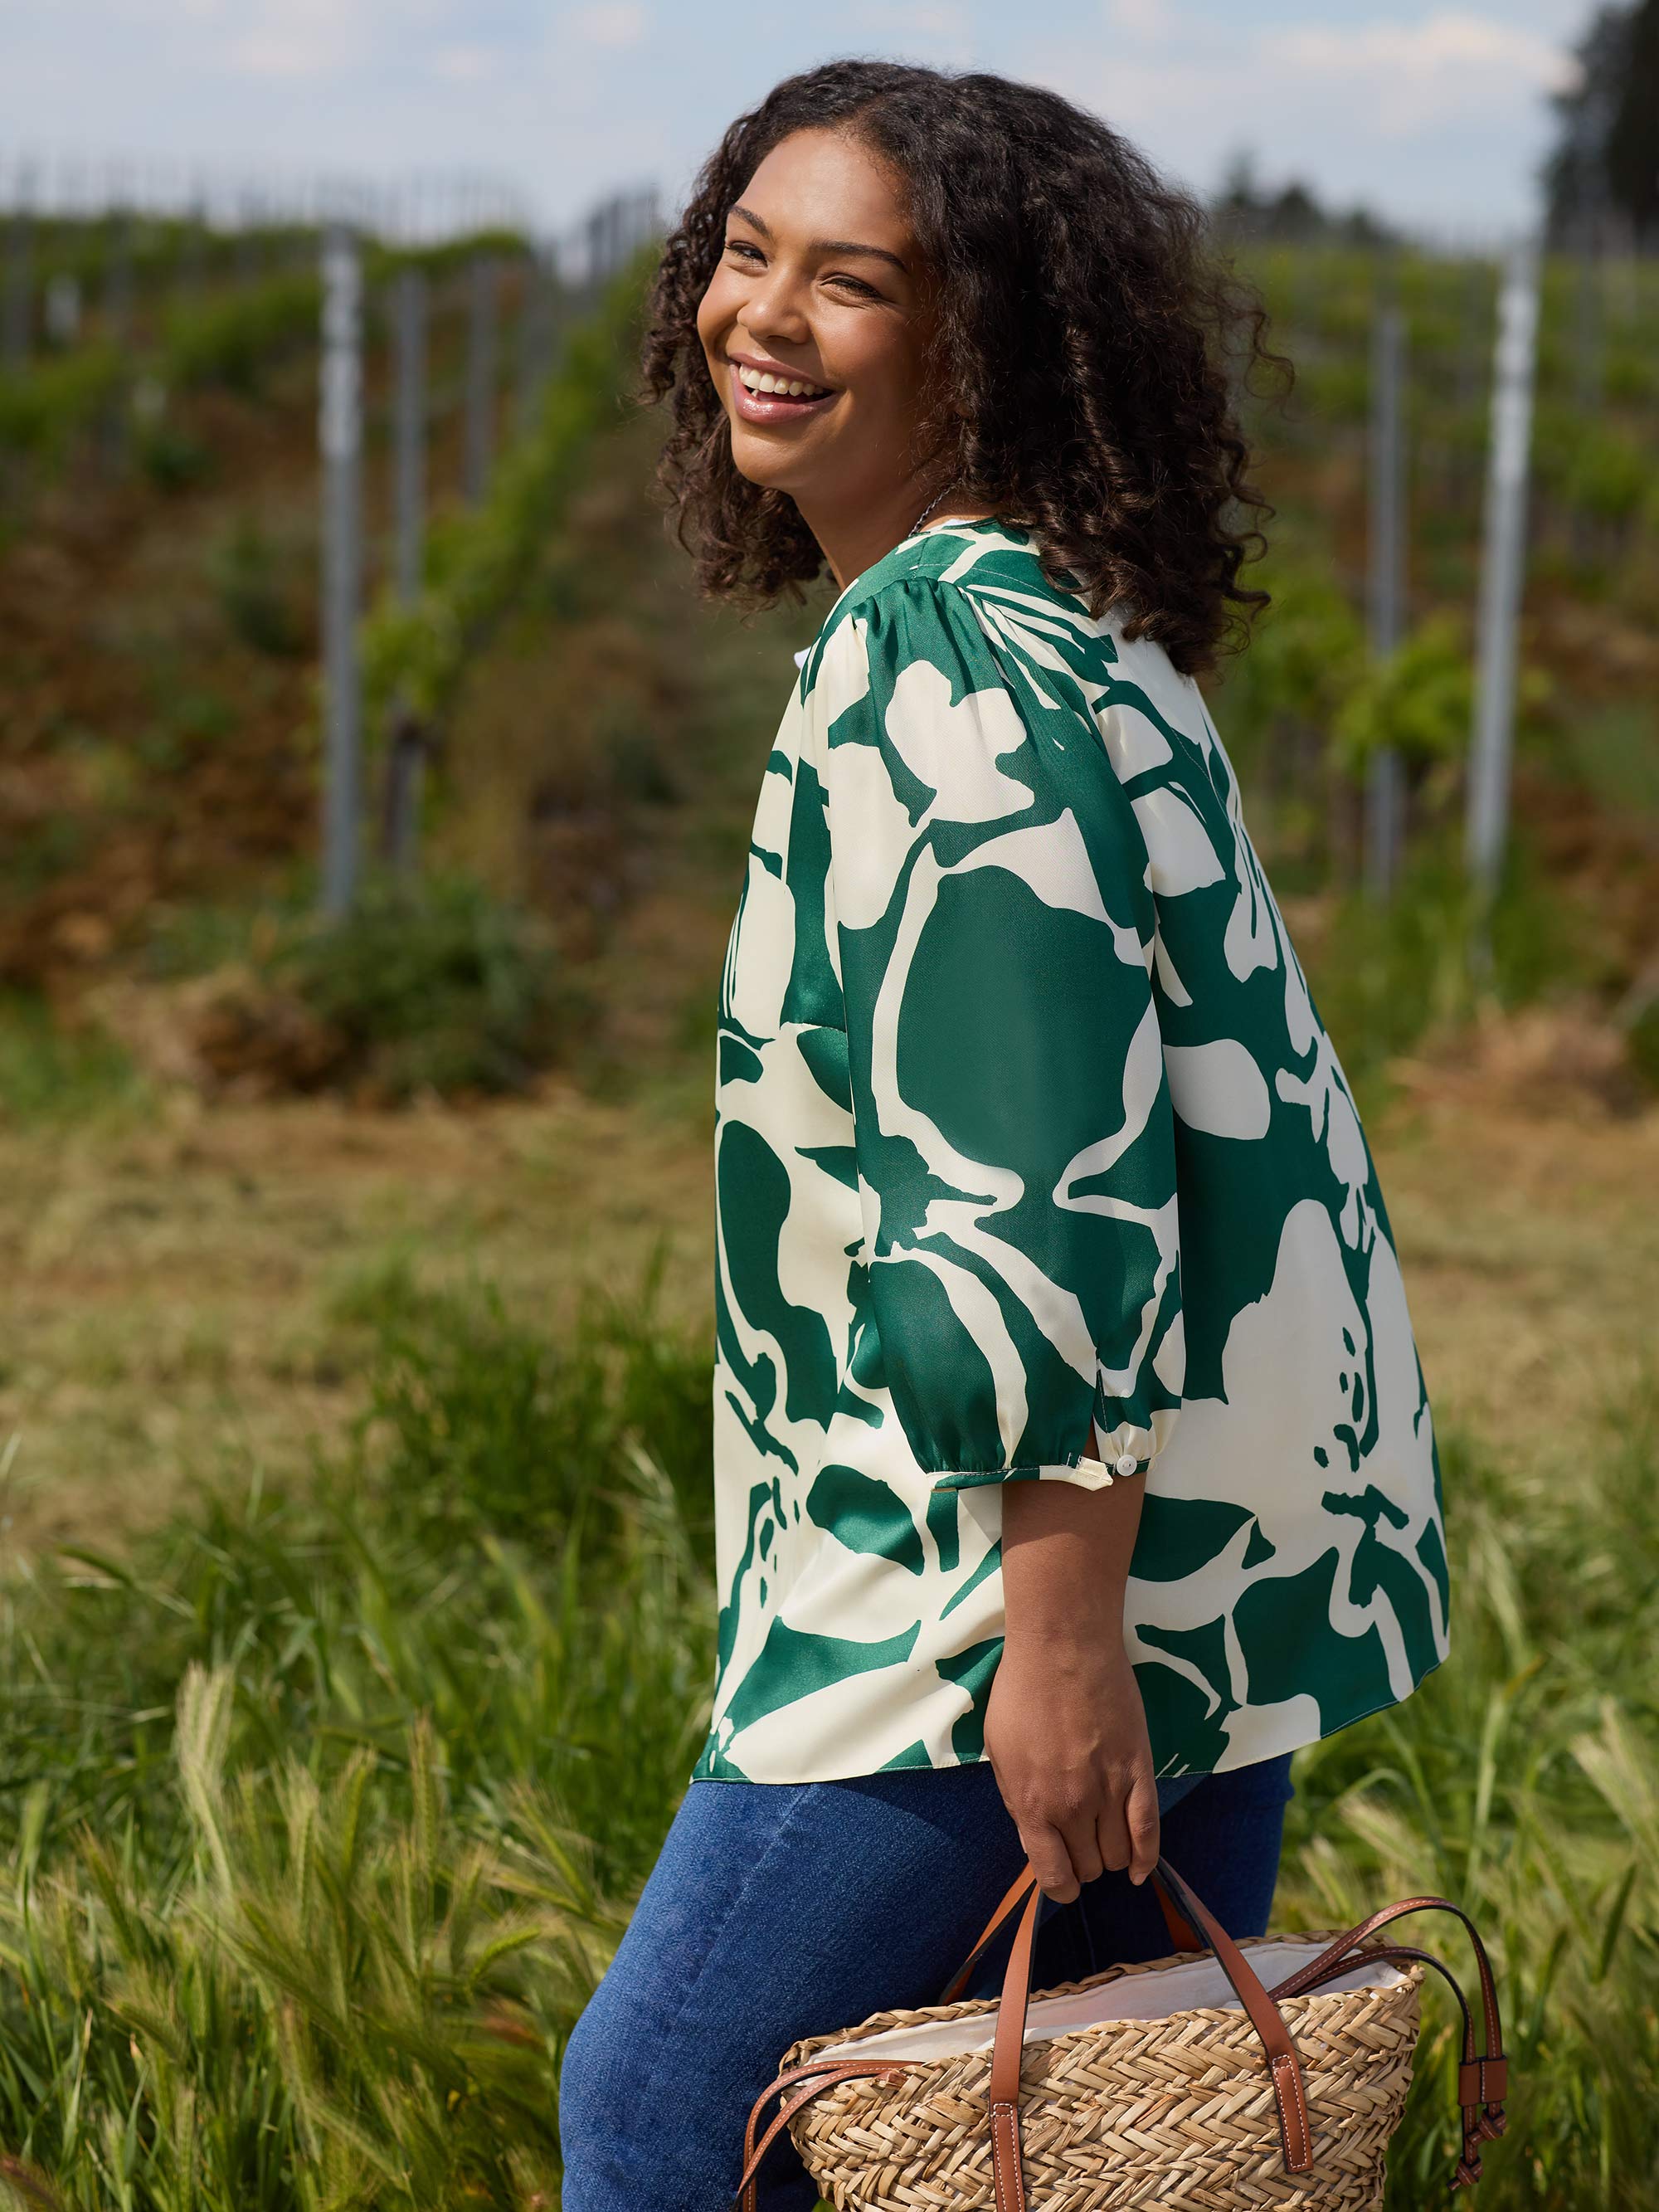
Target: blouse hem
point(1257, 1754)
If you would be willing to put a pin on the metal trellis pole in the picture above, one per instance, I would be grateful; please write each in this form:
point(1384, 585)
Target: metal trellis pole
point(1502, 573)
point(408, 428)
point(406, 736)
point(1385, 788)
point(340, 436)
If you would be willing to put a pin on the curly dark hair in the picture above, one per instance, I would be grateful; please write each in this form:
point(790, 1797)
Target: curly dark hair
point(1084, 340)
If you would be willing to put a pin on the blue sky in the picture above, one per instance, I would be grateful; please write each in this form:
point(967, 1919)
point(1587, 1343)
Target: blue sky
point(1435, 114)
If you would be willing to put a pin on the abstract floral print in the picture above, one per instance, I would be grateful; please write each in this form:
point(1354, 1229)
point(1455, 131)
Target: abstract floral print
point(1027, 1122)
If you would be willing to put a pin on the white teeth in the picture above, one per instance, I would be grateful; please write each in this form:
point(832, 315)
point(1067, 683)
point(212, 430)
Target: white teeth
point(758, 379)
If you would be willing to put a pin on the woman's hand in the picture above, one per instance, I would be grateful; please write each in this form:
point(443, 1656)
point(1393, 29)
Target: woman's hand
point(1065, 1729)
point(1067, 1738)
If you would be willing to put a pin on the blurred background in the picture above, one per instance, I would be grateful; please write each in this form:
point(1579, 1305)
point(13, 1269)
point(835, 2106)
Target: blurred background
point(373, 799)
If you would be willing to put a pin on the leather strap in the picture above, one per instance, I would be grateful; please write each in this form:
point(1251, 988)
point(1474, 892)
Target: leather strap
point(814, 2075)
point(1012, 1897)
point(1284, 2068)
point(1181, 1935)
point(1482, 2076)
point(1008, 2150)
point(1293, 1985)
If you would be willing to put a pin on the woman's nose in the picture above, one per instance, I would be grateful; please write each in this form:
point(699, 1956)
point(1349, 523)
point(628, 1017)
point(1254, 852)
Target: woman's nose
point(775, 311)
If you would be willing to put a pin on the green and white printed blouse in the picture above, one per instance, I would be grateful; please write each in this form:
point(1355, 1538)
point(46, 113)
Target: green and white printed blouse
point(1025, 1119)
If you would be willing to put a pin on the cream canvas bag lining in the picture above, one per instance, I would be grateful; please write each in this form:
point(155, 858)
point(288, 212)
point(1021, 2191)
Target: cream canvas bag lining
point(1195, 1984)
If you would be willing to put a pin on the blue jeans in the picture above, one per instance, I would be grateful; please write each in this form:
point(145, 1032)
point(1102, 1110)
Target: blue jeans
point(784, 1908)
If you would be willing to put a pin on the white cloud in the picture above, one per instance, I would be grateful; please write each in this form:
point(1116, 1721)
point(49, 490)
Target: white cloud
point(610, 24)
point(936, 26)
point(1140, 19)
point(1335, 97)
point(465, 64)
point(299, 39)
point(1419, 73)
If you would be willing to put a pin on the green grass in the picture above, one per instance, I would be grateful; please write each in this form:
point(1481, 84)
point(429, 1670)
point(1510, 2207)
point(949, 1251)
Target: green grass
point(324, 1802)
point(316, 1803)
point(430, 983)
point(1385, 977)
point(51, 1074)
point(323, 1807)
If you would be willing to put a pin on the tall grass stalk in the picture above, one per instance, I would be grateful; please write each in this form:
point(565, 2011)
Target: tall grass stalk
point(324, 1810)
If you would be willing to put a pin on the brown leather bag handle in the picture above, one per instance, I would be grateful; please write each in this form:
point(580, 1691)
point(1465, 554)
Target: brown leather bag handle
point(814, 2074)
point(1181, 1935)
point(1482, 2076)
point(1284, 2068)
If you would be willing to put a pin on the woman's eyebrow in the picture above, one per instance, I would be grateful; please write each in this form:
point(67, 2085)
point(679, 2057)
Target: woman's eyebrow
point(827, 244)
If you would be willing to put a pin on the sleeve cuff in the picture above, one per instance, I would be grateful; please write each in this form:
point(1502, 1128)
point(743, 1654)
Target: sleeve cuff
point(1125, 1451)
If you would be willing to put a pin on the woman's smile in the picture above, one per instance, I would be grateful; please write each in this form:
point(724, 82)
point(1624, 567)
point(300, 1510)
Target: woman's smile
point(815, 326)
point(767, 393)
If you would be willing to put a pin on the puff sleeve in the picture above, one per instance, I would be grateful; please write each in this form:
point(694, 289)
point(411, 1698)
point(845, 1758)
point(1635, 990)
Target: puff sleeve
point(1014, 1141)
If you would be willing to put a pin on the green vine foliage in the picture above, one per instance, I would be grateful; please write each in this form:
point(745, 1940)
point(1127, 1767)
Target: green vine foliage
point(417, 653)
point(227, 340)
point(224, 341)
point(1307, 653)
point(40, 411)
point(1416, 699)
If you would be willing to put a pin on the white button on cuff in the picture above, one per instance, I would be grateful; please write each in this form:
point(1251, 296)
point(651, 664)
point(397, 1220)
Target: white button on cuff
point(1128, 1463)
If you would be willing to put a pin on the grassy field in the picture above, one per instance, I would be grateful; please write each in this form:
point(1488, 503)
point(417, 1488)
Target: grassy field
point(356, 1603)
point(327, 1786)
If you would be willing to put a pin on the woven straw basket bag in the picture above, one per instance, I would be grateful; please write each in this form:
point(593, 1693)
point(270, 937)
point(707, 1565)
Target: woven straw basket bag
point(1182, 2085)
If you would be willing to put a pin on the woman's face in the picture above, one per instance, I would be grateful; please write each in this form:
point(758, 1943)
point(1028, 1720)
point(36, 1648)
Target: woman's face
point(820, 287)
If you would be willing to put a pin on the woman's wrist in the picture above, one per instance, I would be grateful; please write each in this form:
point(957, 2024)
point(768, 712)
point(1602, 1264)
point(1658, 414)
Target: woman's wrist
point(1065, 1558)
point(1085, 1637)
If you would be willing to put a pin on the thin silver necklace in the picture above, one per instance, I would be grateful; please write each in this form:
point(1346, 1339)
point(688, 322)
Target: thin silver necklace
point(929, 510)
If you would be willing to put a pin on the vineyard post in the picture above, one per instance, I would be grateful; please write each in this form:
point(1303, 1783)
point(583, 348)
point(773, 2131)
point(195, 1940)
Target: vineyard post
point(479, 433)
point(1503, 568)
point(1385, 791)
point(60, 313)
point(406, 736)
point(409, 426)
point(340, 436)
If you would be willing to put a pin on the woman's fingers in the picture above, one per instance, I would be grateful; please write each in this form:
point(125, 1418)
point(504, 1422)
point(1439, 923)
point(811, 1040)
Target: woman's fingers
point(1066, 1852)
point(1051, 1860)
point(1141, 1820)
point(1081, 1835)
point(1113, 1839)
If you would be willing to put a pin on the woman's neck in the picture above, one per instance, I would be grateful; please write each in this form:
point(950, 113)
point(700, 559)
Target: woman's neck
point(852, 542)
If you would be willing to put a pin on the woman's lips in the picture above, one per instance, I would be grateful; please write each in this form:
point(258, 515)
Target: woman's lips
point(771, 407)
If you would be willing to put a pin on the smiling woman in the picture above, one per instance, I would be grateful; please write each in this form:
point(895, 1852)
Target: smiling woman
point(817, 347)
point(1072, 1461)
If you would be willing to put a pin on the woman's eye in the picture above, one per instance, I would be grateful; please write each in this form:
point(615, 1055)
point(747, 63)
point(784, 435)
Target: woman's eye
point(741, 245)
point(856, 285)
